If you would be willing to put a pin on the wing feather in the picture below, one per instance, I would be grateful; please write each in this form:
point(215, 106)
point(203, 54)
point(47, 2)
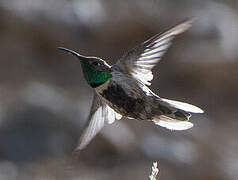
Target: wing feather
point(100, 113)
point(140, 60)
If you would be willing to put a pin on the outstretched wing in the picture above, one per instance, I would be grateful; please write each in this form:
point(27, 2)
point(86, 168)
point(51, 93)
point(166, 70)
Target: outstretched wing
point(139, 61)
point(100, 113)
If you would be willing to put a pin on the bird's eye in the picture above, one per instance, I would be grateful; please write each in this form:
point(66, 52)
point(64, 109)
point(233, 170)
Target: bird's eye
point(95, 63)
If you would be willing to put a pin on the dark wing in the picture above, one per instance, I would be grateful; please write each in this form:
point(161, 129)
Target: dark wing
point(139, 61)
point(100, 113)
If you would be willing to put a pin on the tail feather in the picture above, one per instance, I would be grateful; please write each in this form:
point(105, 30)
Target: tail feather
point(184, 106)
point(173, 112)
point(175, 115)
point(172, 124)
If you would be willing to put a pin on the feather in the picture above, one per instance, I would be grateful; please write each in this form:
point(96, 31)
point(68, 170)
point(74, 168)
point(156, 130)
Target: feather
point(140, 60)
point(100, 113)
point(172, 124)
point(184, 106)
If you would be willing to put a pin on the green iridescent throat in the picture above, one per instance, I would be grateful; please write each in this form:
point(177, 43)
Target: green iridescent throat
point(93, 76)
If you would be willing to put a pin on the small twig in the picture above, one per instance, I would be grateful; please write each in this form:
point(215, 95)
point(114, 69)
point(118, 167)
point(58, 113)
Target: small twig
point(154, 172)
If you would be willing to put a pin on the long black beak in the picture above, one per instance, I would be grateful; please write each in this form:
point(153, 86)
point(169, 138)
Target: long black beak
point(72, 52)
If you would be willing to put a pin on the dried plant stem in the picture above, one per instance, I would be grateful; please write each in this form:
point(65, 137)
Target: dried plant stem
point(154, 172)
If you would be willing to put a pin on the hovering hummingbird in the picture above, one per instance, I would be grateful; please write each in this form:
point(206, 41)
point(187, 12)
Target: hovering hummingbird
point(121, 90)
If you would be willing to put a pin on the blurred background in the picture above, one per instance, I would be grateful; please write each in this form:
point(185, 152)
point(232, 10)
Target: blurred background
point(44, 100)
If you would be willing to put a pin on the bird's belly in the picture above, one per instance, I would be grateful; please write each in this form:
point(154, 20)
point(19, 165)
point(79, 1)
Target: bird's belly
point(126, 102)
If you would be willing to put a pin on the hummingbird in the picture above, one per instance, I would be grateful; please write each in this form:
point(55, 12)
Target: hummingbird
point(122, 90)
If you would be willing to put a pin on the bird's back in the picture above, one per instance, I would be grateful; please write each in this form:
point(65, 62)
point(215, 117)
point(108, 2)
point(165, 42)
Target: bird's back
point(129, 97)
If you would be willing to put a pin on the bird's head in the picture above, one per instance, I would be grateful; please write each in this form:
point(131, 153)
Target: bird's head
point(96, 71)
